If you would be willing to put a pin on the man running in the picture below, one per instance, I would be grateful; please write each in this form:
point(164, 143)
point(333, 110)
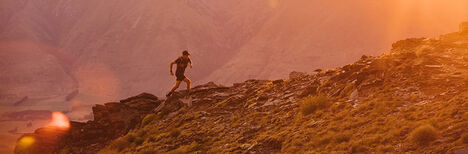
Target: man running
point(182, 63)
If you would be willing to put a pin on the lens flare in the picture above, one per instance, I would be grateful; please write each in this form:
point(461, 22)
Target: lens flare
point(26, 141)
point(59, 120)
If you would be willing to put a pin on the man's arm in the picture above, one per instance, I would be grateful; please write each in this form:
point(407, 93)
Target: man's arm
point(172, 63)
point(190, 62)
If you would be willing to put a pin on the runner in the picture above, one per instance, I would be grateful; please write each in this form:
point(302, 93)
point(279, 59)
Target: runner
point(182, 63)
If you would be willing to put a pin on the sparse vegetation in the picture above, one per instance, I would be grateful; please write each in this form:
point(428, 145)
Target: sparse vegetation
point(311, 104)
point(423, 135)
point(186, 148)
point(384, 148)
point(148, 119)
point(343, 137)
point(119, 144)
point(358, 148)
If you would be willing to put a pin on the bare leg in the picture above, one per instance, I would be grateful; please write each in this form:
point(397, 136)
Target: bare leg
point(175, 86)
point(187, 81)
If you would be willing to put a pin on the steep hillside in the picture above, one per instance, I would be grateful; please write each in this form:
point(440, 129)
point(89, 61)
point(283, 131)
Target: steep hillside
point(411, 99)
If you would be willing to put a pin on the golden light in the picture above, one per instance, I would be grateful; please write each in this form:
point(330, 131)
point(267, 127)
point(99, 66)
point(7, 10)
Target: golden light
point(60, 120)
point(273, 3)
point(26, 141)
point(409, 16)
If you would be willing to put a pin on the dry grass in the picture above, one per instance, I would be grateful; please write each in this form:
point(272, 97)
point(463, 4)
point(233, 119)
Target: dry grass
point(174, 132)
point(148, 119)
point(186, 148)
point(311, 104)
point(423, 135)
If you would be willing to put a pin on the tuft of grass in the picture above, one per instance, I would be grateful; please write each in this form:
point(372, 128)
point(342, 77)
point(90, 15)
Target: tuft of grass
point(148, 119)
point(311, 104)
point(128, 141)
point(423, 135)
point(343, 137)
point(322, 140)
point(119, 145)
point(174, 132)
point(358, 148)
point(186, 148)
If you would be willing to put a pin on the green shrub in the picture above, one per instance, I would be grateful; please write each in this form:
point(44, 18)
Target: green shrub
point(423, 135)
point(311, 104)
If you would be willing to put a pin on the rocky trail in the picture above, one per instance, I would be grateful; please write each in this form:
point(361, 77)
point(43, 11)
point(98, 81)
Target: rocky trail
point(377, 104)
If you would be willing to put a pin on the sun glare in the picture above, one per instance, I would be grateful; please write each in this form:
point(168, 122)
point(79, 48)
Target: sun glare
point(60, 120)
point(426, 15)
point(26, 141)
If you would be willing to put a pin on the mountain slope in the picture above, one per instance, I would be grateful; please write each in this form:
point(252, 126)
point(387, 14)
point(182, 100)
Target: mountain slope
point(411, 99)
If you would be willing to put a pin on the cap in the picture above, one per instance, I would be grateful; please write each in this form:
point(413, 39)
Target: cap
point(185, 52)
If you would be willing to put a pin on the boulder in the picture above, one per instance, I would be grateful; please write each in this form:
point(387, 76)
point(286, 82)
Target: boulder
point(295, 75)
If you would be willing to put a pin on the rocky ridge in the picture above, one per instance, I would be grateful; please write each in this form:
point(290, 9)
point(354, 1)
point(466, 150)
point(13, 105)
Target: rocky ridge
point(376, 104)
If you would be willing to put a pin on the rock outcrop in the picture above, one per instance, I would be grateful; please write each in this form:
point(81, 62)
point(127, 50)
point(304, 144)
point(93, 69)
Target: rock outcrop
point(111, 121)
